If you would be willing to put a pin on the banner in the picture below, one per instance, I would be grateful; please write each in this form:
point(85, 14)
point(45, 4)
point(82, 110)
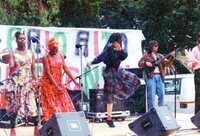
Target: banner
point(90, 41)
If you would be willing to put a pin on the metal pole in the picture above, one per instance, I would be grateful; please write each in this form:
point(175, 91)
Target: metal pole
point(175, 88)
point(80, 79)
point(79, 47)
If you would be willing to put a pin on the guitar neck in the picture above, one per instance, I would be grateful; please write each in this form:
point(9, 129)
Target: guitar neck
point(166, 56)
point(160, 60)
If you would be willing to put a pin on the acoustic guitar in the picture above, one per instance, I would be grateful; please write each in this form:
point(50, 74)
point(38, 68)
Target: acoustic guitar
point(149, 70)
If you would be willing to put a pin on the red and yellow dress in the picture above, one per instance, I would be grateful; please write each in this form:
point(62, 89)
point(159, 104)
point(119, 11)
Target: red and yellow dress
point(51, 100)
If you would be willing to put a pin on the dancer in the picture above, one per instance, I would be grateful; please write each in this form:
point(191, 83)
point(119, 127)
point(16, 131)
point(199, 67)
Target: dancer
point(20, 93)
point(54, 97)
point(154, 76)
point(194, 63)
point(112, 56)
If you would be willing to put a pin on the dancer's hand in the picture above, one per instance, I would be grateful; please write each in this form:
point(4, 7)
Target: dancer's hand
point(117, 46)
point(77, 84)
point(88, 64)
point(60, 90)
point(37, 84)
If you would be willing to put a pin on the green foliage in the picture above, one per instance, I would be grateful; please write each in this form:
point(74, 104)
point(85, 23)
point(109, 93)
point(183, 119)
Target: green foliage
point(79, 13)
point(118, 14)
point(174, 23)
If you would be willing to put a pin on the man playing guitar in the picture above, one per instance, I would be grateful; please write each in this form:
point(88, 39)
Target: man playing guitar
point(153, 64)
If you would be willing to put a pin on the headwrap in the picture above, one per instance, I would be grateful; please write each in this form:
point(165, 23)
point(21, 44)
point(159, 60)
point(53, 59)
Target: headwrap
point(52, 43)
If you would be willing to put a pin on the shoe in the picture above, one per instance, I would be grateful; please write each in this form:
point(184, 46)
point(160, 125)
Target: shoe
point(110, 123)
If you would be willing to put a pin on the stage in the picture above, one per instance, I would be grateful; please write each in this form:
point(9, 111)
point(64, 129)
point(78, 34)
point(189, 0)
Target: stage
point(121, 128)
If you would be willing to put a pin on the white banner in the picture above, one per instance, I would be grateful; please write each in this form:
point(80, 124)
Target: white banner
point(92, 41)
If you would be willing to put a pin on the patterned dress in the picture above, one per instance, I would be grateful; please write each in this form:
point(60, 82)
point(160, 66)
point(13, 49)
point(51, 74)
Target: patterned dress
point(19, 90)
point(118, 83)
point(52, 101)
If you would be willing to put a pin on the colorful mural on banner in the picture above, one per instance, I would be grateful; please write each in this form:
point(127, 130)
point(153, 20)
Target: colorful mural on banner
point(79, 45)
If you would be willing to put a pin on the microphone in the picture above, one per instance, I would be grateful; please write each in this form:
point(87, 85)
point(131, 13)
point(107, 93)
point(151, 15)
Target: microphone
point(64, 56)
point(79, 45)
point(34, 39)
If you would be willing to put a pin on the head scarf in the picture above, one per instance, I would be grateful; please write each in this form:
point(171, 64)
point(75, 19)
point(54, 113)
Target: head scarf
point(52, 43)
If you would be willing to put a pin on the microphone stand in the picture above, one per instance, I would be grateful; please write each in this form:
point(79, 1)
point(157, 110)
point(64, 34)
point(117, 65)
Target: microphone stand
point(82, 97)
point(84, 73)
point(175, 89)
point(80, 77)
point(38, 88)
point(38, 45)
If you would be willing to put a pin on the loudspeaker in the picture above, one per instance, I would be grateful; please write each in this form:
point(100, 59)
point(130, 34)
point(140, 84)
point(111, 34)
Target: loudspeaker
point(66, 124)
point(196, 119)
point(158, 121)
point(137, 102)
point(75, 96)
point(4, 119)
point(97, 103)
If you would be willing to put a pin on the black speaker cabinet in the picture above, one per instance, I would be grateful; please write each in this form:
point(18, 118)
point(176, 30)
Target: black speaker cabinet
point(196, 119)
point(75, 96)
point(157, 122)
point(97, 103)
point(4, 119)
point(66, 124)
point(137, 102)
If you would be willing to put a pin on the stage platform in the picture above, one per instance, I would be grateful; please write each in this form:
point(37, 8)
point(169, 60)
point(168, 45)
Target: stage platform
point(121, 129)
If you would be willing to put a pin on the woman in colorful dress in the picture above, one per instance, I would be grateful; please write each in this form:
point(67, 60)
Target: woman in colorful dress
point(114, 78)
point(54, 97)
point(20, 92)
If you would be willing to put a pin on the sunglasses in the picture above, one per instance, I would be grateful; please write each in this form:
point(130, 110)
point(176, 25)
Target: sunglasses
point(156, 45)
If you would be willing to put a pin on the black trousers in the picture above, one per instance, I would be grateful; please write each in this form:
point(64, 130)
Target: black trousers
point(197, 90)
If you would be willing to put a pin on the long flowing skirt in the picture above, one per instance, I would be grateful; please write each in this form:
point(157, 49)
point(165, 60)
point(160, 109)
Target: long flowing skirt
point(52, 101)
point(119, 84)
point(20, 99)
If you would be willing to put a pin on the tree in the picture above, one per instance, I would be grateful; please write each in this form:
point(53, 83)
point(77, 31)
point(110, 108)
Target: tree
point(174, 23)
point(79, 13)
point(66, 13)
point(118, 14)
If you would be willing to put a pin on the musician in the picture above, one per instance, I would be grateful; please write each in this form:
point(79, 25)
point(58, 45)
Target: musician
point(194, 63)
point(155, 76)
point(112, 56)
point(20, 93)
